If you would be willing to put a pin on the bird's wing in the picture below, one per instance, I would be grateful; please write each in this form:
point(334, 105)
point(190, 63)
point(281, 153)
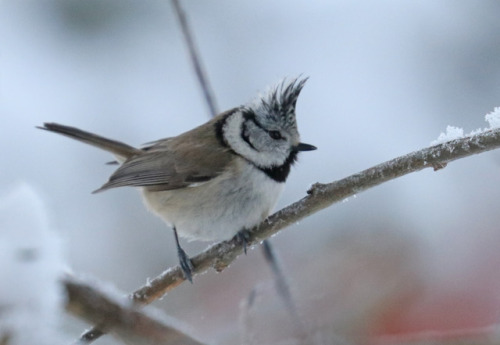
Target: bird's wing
point(194, 157)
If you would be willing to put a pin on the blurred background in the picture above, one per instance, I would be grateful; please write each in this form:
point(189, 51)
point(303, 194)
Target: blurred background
point(386, 77)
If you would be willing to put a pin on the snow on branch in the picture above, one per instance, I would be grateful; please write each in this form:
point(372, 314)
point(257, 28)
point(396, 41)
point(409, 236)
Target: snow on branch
point(31, 263)
point(320, 196)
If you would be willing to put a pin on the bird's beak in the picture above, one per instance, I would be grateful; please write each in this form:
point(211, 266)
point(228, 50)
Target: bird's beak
point(304, 147)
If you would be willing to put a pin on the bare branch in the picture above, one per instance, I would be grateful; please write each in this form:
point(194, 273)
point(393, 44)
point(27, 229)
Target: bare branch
point(129, 324)
point(193, 53)
point(320, 196)
point(278, 275)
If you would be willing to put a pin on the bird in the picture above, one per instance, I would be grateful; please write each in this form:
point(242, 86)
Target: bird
point(215, 181)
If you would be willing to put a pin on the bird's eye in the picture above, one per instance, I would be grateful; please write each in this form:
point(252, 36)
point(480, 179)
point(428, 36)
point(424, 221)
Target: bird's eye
point(276, 135)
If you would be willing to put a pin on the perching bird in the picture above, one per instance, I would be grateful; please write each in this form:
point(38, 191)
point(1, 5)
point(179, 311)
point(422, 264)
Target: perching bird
point(219, 179)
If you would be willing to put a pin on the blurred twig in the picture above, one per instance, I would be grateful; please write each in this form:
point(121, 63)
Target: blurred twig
point(475, 336)
point(129, 324)
point(200, 72)
point(320, 196)
point(278, 275)
point(283, 287)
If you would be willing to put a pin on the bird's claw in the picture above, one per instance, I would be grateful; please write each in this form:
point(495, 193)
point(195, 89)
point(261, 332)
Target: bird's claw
point(186, 265)
point(243, 236)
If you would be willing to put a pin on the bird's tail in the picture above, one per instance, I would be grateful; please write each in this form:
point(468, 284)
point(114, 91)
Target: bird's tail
point(120, 150)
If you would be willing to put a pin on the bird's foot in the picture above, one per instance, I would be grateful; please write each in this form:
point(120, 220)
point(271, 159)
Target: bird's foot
point(184, 260)
point(186, 264)
point(243, 236)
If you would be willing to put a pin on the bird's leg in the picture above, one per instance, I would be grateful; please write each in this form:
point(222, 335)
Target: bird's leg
point(184, 261)
point(243, 236)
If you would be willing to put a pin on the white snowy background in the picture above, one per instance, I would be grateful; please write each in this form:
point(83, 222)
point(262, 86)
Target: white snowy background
point(386, 78)
point(31, 265)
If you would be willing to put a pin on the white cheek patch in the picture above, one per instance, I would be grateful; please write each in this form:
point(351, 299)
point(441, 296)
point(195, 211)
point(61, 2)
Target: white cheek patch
point(232, 134)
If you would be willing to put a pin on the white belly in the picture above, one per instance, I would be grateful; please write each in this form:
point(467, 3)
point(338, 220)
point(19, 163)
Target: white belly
point(218, 209)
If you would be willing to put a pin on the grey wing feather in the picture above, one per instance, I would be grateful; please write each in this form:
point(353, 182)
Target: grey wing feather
point(192, 157)
point(166, 170)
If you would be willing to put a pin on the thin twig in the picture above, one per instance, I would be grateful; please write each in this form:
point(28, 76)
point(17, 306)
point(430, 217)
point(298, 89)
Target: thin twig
point(123, 320)
point(278, 275)
point(320, 196)
point(200, 72)
point(282, 286)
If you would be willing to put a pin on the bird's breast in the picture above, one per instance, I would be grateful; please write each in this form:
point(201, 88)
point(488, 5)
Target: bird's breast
point(239, 198)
